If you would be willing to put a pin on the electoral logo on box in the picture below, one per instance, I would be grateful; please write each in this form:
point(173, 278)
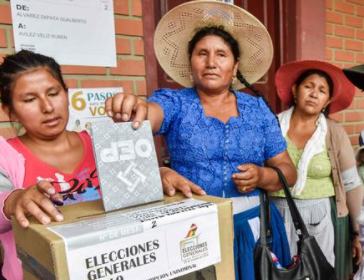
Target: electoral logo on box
point(191, 248)
point(127, 164)
point(157, 242)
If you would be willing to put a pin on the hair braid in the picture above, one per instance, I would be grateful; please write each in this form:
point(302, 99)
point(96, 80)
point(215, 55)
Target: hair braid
point(256, 92)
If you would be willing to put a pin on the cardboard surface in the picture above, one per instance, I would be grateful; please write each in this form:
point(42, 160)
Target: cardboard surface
point(44, 255)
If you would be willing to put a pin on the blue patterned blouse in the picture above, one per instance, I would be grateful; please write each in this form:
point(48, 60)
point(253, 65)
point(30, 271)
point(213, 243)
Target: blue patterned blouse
point(208, 151)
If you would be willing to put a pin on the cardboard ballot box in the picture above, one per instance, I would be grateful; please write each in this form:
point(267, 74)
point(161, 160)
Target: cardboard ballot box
point(163, 240)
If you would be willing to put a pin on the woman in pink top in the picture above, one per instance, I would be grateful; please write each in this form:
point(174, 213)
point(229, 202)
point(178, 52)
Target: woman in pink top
point(48, 165)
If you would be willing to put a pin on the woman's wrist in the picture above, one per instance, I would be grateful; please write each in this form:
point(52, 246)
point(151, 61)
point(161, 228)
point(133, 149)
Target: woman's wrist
point(271, 178)
point(9, 202)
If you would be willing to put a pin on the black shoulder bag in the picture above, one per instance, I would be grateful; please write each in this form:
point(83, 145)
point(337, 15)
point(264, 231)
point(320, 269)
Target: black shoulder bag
point(311, 264)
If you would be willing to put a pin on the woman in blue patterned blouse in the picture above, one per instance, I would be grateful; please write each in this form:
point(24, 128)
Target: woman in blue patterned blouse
point(219, 138)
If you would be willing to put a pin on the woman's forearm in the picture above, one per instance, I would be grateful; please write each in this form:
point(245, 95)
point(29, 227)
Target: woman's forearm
point(270, 180)
point(354, 200)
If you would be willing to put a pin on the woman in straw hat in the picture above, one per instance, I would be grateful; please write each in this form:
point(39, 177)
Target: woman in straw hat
point(328, 191)
point(219, 138)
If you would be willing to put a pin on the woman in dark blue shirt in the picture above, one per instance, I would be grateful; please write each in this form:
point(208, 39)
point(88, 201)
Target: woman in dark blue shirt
point(219, 138)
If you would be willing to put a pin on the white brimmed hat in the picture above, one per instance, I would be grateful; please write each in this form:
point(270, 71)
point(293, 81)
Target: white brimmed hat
point(178, 26)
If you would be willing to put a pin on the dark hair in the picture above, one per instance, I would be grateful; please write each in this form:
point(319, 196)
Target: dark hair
point(218, 30)
point(16, 64)
point(320, 73)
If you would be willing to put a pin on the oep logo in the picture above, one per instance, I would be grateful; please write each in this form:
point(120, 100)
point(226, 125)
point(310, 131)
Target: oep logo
point(190, 247)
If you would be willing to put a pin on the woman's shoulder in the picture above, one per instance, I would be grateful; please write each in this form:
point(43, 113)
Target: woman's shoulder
point(335, 126)
point(11, 140)
point(85, 138)
point(7, 151)
point(176, 95)
point(15, 143)
point(245, 98)
point(254, 106)
point(7, 144)
point(84, 134)
point(175, 92)
point(337, 133)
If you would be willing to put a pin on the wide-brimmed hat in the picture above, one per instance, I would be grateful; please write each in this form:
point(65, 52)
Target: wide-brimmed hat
point(342, 93)
point(356, 75)
point(177, 27)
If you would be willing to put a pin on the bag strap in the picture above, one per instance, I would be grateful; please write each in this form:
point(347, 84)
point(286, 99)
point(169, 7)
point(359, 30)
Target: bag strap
point(299, 225)
point(296, 216)
point(265, 232)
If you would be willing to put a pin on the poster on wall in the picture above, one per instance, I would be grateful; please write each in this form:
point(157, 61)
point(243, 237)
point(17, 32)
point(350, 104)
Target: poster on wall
point(87, 105)
point(74, 32)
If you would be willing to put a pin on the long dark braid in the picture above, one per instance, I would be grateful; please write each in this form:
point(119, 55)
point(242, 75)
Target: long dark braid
point(256, 92)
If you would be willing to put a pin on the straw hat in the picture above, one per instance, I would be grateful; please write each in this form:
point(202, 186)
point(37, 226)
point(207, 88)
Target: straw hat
point(356, 75)
point(342, 93)
point(178, 26)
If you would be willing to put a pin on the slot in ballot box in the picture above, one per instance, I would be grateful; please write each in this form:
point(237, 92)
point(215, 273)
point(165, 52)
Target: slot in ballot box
point(165, 240)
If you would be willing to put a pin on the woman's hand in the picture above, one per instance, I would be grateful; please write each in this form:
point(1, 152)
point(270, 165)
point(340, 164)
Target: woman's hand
point(248, 178)
point(126, 107)
point(172, 182)
point(35, 201)
point(251, 175)
point(357, 250)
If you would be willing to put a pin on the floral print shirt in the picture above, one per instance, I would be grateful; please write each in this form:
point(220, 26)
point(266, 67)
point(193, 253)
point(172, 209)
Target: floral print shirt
point(208, 151)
